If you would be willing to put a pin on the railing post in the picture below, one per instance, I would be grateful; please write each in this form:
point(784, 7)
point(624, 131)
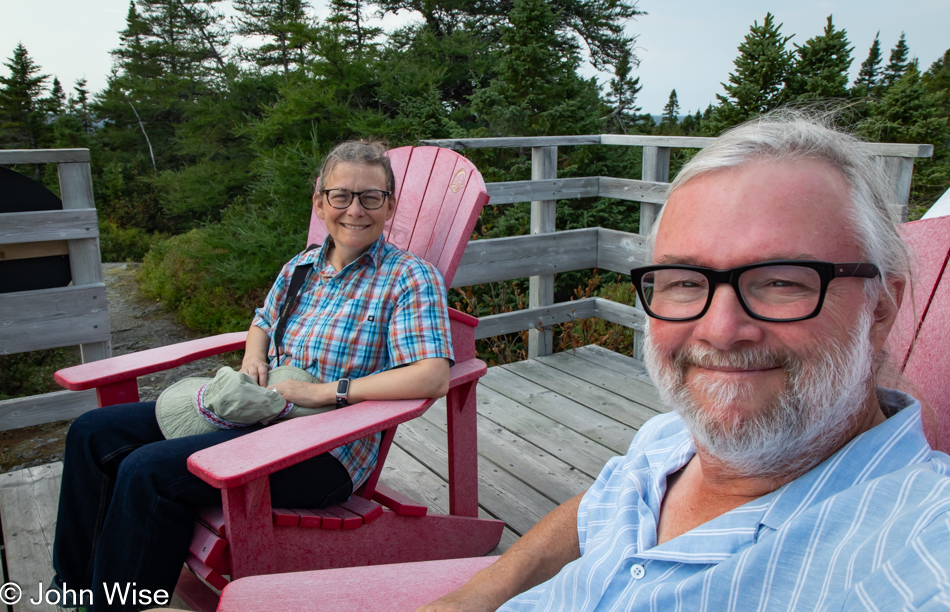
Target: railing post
point(656, 167)
point(900, 171)
point(75, 185)
point(543, 214)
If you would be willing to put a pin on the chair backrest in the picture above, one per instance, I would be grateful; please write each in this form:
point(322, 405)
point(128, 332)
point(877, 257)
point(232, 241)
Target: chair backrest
point(439, 194)
point(918, 345)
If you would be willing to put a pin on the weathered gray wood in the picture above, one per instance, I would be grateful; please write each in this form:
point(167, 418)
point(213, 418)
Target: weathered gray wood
point(633, 409)
point(532, 318)
point(460, 144)
point(656, 168)
point(605, 358)
point(521, 256)
point(543, 215)
point(48, 318)
point(610, 433)
point(28, 503)
point(532, 464)
point(43, 156)
point(620, 251)
point(900, 171)
point(894, 149)
point(45, 408)
point(678, 142)
point(632, 190)
point(621, 314)
point(630, 387)
point(511, 192)
point(499, 493)
point(47, 225)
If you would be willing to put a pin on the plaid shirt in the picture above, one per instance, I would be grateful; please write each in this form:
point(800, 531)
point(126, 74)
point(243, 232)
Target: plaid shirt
point(384, 310)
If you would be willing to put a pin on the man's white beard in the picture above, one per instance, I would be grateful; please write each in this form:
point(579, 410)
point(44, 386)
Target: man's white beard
point(825, 391)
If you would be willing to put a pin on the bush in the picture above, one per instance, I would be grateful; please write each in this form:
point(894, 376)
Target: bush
point(125, 244)
point(25, 374)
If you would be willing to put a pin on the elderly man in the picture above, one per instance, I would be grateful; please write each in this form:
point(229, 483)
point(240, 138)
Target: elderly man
point(784, 479)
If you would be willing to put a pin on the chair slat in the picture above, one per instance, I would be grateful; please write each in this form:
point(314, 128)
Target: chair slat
point(286, 518)
point(411, 196)
point(369, 511)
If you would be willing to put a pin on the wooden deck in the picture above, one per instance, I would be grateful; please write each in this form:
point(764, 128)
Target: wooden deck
point(546, 427)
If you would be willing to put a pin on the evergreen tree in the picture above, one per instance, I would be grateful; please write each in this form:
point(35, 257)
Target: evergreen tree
point(821, 68)
point(56, 102)
point(22, 109)
point(79, 105)
point(537, 91)
point(897, 64)
point(284, 26)
point(601, 24)
point(762, 70)
point(350, 25)
point(671, 110)
point(937, 81)
point(622, 96)
point(869, 77)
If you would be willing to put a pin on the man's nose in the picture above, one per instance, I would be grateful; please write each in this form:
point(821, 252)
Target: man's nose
point(726, 322)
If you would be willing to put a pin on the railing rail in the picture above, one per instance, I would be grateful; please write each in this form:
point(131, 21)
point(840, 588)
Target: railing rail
point(546, 252)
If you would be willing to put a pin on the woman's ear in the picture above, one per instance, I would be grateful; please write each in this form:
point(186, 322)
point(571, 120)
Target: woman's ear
point(318, 205)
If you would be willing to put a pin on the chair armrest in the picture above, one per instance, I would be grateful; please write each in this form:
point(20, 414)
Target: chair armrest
point(399, 587)
point(239, 461)
point(242, 460)
point(125, 367)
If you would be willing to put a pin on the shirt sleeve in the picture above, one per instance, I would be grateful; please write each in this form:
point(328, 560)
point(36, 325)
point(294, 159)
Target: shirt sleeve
point(419, 327)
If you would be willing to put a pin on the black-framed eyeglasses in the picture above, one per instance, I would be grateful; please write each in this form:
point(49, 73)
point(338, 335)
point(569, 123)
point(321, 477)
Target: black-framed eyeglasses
point(783, 290)
point(371, 199)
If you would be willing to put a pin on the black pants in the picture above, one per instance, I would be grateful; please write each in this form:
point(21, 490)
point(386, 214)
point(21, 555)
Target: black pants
point(126, 506)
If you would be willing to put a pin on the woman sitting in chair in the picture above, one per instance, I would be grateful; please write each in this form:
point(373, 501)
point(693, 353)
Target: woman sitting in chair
point(370, 322)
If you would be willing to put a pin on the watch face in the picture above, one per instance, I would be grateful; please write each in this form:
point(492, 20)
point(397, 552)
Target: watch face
point(342, 387)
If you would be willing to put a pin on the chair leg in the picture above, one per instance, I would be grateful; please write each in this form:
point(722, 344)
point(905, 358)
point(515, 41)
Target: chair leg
point(462, 424)
point(250, 521)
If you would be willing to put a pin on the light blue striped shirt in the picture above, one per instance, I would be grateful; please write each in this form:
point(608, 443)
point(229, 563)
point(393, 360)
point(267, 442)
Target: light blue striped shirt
point(867, 529)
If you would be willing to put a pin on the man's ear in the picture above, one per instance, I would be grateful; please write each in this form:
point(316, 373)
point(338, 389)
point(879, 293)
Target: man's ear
point(885, 312)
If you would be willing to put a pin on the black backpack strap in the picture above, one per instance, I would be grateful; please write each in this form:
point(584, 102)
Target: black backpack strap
point(296, 282)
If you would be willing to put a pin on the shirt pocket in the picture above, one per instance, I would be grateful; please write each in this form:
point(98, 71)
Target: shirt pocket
point(354, 337)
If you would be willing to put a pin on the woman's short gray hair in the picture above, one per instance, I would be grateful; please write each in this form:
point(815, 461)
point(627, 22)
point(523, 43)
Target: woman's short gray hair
point(366, 152)
point(786, 135)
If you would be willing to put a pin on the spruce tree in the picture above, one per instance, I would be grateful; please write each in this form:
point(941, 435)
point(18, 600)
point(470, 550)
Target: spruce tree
point(869, 77)
point(622, 96)
point(537, 91)
point(897, 63)
point(22, 108)
point(821, 67)
point(671, 110)
point(758, 83)
point(284, 26)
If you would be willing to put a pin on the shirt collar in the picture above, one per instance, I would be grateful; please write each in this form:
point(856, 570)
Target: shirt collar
point(896, 443)
point(318, 257)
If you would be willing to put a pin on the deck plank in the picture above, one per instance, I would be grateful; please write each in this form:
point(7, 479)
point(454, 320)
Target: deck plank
point(28, 504)
point(602, 429)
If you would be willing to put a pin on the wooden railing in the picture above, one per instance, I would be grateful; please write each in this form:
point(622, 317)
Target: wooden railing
point(60, 316)
point(546, 252)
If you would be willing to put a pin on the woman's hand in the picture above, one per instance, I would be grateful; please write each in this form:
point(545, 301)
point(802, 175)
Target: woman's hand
point(256, 369)
point(306, 395)
point(255, 363)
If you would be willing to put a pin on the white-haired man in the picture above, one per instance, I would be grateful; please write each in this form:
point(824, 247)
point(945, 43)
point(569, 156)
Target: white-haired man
point(784, 479)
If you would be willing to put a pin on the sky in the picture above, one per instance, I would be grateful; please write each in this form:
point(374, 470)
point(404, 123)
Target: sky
point(687, 45)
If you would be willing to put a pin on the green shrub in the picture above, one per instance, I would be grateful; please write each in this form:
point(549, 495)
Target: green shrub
point(25, 374)
point(125, 243)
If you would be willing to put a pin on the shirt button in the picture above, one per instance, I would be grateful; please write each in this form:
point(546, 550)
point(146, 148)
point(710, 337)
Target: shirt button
point(637, 571)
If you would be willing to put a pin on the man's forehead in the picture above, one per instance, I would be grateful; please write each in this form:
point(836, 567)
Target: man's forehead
point(758, 211)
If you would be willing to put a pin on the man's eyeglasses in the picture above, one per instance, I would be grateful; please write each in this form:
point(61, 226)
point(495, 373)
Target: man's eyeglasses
point(786, 290)
point(371, 199)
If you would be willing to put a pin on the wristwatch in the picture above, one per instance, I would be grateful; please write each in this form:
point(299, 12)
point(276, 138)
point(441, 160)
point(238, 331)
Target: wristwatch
point(342, 388)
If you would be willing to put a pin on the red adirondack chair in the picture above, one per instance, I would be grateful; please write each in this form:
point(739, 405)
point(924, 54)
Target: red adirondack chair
point(918, 350)
point(440, 195)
